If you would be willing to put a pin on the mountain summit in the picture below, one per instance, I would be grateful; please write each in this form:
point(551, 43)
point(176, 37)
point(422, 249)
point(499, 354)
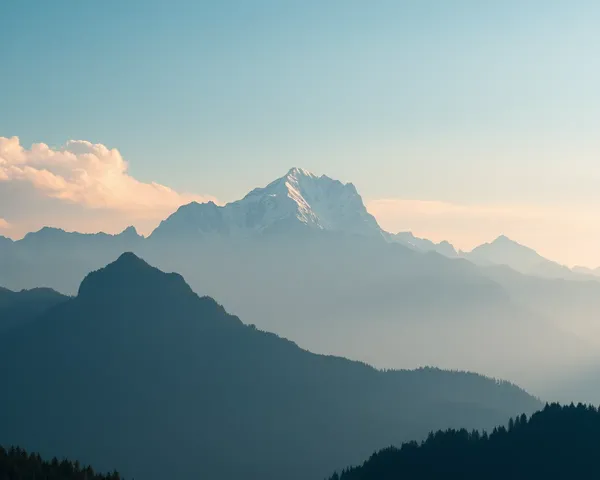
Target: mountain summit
point(505, 251)
point(296, 201)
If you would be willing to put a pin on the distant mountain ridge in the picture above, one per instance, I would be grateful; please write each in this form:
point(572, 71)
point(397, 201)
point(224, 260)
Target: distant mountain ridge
point(138, 366)
point(587, 270)
point(504, 251)
point(47, 235)
point(408, 239)
point(16, 308)
point(389, 300)
point(301, 202)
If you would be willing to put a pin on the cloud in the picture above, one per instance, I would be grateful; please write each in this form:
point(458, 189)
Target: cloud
point(565, 233)
point(81, 177)
point(4, 225)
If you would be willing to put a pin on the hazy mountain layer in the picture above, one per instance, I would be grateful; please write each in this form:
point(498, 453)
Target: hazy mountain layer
point(302, 257)
point(140, 374)
point(504, 251)
point(17, 308)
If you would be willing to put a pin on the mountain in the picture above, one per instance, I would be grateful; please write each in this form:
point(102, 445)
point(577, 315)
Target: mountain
point(23, 306)
point(291, 258)
point(587, 271)
point(56, 238)
point(383, 304)
point(555, 443)
point(139, 373)
point(504, 251)
point(52, 257)
point(422, 244)
point(293, 203)
point(5, 242)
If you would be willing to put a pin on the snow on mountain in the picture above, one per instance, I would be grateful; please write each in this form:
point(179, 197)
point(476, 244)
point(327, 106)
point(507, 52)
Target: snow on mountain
point(298, 199)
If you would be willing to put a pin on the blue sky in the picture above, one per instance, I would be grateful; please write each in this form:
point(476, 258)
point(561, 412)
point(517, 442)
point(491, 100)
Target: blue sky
point(483, 106)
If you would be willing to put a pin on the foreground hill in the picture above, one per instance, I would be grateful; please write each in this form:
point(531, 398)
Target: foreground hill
point(139, 373)
point(556, 443)
point(17, 464)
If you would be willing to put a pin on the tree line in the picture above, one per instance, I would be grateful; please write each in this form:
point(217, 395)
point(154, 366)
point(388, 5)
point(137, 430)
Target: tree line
point(17, 464)
point(555, 443)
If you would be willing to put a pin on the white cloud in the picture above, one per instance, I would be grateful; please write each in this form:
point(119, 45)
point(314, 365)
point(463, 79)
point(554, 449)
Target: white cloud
point(81, 179)
point(4, 225)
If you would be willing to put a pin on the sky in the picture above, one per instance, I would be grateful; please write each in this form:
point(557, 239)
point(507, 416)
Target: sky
point(456, 120)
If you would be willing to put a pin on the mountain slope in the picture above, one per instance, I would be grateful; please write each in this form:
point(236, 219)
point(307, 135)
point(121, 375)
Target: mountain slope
point(4, 242)
point(587, 271)
point(291, 259)
point(137, 366)
point(504, 251)
point(381, 303)
point(294, 202)
point(556, 443)
point(52, 257)
point(422, 244)
point(23, 306)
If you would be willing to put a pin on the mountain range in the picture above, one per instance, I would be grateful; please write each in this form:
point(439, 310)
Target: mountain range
point(138, 373)
point(298, 202)
point(303, 258)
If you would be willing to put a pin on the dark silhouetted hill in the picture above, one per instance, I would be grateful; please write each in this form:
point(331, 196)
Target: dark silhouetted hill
point(555, 443)
point(140, 374)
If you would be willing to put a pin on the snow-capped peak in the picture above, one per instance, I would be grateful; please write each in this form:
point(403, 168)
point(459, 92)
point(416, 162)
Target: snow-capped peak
point(316, 201)
point(297, 172)
point(299, 198)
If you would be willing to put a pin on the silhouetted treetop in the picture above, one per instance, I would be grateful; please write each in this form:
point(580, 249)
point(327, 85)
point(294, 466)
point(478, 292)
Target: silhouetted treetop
point(557, 442)
point(17, 464)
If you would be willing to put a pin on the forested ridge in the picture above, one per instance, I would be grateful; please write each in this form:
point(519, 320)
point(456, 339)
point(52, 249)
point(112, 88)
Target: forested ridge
point(557, 442)
point(17, 464)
